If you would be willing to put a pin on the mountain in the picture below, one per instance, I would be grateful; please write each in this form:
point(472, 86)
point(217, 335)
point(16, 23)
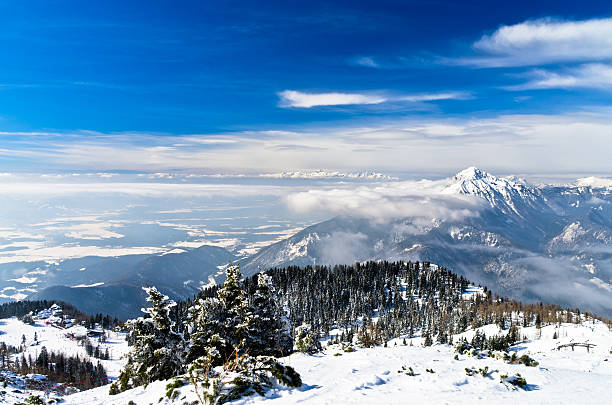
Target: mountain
point(531, 242)
point(114, 286)
point(549, 243)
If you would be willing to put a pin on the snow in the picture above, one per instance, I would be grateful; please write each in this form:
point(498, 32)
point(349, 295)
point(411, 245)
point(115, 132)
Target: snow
point(24, 280)
point(379, 375)
point(56, 339)
point(87, 285)
point(300, 248)
point(572, 232)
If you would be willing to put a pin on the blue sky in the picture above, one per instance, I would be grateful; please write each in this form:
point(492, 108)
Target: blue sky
point(239, 86)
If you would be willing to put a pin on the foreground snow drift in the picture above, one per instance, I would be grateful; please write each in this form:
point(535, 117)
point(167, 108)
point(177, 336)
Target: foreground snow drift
point(381, 375)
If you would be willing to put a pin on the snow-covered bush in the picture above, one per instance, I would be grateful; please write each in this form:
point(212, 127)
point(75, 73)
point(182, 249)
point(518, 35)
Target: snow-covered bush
point(240, 376)
point(305, 339)
point(514, 381)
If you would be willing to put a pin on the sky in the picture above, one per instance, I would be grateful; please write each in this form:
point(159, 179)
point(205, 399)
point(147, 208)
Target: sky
point(247, 87)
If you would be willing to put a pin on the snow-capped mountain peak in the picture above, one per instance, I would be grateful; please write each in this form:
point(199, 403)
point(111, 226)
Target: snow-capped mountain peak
point(472, 173)
point(505, 193)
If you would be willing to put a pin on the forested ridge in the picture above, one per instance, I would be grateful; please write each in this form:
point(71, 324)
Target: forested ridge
point(405, 298)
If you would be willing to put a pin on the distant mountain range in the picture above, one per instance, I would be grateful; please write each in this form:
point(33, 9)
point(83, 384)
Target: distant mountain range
point(531, 242)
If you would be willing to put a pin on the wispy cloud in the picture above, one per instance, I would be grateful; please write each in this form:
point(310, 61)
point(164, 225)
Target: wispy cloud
point(298, 99)
point(454, 95)
point(544, 41)
point(367, 61)
point(293, 98)
point(594, 75)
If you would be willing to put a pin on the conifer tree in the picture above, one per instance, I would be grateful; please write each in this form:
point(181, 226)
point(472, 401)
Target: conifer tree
point(236, 306)
point(157, 351)
point(219, 326)
point(207, 331)
point(268, 334)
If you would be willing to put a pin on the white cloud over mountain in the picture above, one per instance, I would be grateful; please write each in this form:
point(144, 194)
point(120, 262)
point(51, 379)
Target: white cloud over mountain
point(421, 199)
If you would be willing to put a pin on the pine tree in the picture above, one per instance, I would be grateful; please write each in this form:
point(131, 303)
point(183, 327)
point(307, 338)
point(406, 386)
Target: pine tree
point(158, 348)
point(236, 306)
point(306, 340)
point(268, 334)
point(219, 326)
point(226, 331)
point(427, 341)
point(207, 331)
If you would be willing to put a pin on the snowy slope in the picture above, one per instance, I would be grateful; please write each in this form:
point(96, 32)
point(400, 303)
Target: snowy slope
point(378, 375)
point(12, 331)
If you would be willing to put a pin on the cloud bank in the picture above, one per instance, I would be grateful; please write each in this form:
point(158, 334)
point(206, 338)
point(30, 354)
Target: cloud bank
point(424, 200)
point(505, 143)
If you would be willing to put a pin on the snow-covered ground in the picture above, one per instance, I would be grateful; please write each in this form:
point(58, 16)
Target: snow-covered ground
point(57, 340)
point(379, 375)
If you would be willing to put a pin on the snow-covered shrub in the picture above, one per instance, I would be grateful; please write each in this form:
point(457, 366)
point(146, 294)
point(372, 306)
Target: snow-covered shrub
point(524, 359)
point(305, 340)
point(515, 381)
point(240, 376)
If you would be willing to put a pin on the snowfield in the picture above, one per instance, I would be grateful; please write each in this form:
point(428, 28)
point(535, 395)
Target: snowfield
point(379, 375)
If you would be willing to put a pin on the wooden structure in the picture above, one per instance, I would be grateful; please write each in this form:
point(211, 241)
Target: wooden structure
point(579, 344)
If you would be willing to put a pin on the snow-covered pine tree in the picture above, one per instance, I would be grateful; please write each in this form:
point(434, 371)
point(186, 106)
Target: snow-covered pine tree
point(158, 348)
point(219, 326)
point(237, 310)
point(207, 332)
point(268, 330)
point(229, 341)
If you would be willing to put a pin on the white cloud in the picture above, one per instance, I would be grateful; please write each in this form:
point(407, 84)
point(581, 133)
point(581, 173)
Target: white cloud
point(423, 199)
point(545, 41)
point(367, 61)
point(292, 98)
point(593, 75)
